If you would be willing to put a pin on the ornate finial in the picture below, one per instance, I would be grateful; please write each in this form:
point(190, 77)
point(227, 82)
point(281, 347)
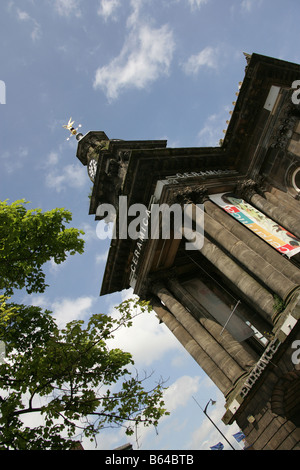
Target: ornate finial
point(73, 131)
point(248, 57)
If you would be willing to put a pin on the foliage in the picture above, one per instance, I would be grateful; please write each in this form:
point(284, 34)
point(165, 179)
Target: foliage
point(30, 238)
point(70, 377)
point(279, 304)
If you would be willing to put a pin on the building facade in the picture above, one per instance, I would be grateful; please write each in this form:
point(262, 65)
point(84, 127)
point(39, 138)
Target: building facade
point(228, 288)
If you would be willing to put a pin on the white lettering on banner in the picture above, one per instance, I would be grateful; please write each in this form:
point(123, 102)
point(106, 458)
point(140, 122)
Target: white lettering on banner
point(260, 367)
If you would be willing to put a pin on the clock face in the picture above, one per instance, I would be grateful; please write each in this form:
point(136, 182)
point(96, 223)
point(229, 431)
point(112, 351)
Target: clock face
point(92, 168)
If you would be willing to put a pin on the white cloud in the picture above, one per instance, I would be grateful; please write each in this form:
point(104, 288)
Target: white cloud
point(67, 310)
point(144, 58)
point(102, 258)
point(248, 5)
point(147, 340)
point(52, 159)
point(14, 161)
point(108, 8)
point(37, 300)
point(197, 3)
point(23, 15)
point(212, 131)
point(89, 232)
point(135, 17)
point(208, 57)
point(36, 30)
point(180, 392)
point(67, 7)
point(73, 176)
point(146, 55)
point(54, 267)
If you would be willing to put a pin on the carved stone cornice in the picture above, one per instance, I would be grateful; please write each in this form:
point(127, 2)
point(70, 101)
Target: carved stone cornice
point(246, 189)
point(190, 195)
point(262, 185)
point(289, 116)
point(124, 155)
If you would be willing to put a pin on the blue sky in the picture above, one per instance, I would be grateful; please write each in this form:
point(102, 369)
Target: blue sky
point(136, 69)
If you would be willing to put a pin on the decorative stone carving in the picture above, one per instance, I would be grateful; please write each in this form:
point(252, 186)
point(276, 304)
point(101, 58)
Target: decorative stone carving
point(124, 155)
point(246, 189)
point(288, 118)
point(190, 195)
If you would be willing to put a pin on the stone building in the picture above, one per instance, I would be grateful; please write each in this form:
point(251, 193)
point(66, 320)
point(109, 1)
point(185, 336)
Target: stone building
point(233, 300)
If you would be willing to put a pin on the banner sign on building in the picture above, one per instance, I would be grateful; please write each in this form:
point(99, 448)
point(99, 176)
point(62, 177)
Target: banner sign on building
point(270, 231)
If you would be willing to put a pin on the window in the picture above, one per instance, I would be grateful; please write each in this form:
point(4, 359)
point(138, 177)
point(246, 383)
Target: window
point(296, 179)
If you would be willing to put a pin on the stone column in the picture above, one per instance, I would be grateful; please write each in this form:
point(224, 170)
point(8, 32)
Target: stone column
point(257, 295)
point(254, 242)
point(252, 261)
point(235, 350)
point(282, 198)
point(211, 347)
point(292, 224)
point(192, 347)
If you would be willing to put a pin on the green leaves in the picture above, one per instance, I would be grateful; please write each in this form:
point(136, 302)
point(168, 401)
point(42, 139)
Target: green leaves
point(30, 238)
point(69, 377)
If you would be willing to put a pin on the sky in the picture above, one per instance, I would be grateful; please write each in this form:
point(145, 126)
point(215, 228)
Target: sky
point(135, 69)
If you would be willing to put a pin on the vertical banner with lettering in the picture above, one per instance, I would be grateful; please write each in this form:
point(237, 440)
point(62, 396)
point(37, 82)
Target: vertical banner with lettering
point(271, 232)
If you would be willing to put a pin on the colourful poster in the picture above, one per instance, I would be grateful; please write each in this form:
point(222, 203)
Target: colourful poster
point(271, 232)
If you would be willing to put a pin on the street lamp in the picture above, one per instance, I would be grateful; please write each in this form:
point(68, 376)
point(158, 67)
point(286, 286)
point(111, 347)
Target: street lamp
point(205, 412)
point(213, 402)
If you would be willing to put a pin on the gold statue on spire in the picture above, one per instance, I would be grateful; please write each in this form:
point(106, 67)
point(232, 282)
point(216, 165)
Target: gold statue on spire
point(70, 128)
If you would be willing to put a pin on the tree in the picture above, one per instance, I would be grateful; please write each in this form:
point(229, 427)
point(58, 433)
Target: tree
point(30, 238)
point(70, 377)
